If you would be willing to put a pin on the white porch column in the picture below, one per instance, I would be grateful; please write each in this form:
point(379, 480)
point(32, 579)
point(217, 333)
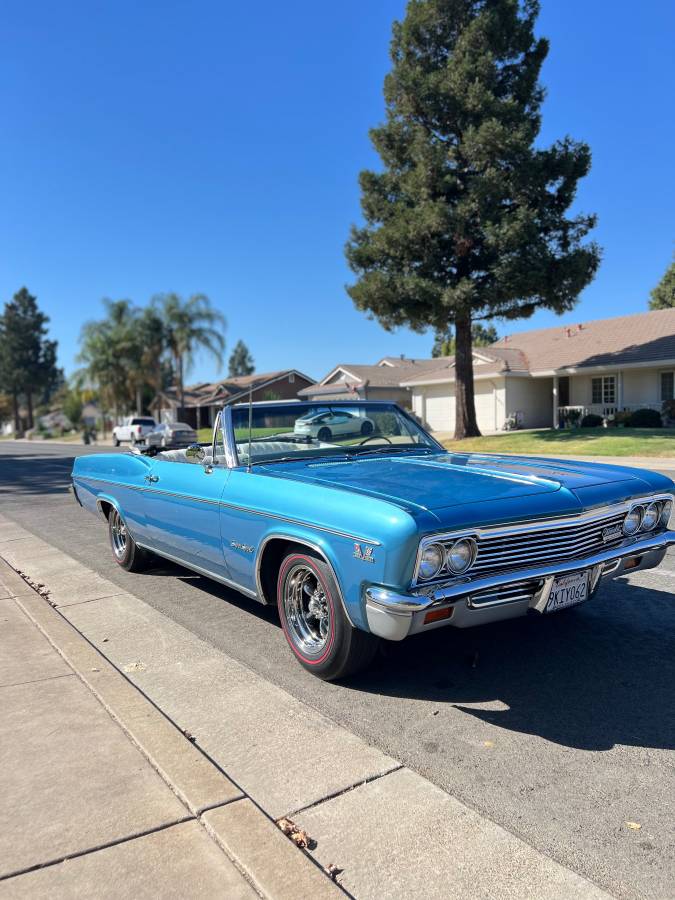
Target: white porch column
point(619, 389)
point(556, 418)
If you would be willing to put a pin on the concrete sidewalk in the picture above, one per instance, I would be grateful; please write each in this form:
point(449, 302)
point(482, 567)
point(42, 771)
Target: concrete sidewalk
point(102, 796)
point(392, 832)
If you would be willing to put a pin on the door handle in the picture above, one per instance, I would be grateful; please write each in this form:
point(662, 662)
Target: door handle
point(151, 479)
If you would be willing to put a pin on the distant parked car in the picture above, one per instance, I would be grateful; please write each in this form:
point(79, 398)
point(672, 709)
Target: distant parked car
point(133, 429)
point(323, 425)
point(171, 434)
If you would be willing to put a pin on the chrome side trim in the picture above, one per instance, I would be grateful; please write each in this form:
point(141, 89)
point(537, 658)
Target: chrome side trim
point(201, 571)
point(150, 490)
point(246, 509)
point(304, 543)
point(268, 515)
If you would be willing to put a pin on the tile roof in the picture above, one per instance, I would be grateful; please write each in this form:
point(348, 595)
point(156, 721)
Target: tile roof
point(491, 361)
point(376, 375)
point(641, 338)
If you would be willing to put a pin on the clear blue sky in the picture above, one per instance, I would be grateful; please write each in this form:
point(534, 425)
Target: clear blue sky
point(215, 147)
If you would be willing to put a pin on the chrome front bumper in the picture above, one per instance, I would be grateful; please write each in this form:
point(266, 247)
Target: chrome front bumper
point(395, 615)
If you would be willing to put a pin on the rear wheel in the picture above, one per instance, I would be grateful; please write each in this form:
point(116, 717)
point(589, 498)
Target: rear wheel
point(126, 551)
point(315, 625)
point(325, 434)
point(116, 443)
point(367, 427)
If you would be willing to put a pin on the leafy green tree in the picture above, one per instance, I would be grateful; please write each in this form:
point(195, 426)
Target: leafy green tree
point(241, 361)
point(467, 219)
point(109, 349)
point(481, 336)
point(663, 295)
point(27, 357)
point(190, 326)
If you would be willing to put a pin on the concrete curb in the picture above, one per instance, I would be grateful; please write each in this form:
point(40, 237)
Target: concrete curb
point(271, 862)
point(392, 831)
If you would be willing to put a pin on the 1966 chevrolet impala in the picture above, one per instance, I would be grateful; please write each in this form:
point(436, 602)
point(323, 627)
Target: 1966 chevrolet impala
point(375, 531)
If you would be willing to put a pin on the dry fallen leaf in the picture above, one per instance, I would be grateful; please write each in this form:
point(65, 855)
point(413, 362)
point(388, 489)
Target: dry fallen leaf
point(488, 743)
point(634, 826)
point(333, 870)
point(299, 837)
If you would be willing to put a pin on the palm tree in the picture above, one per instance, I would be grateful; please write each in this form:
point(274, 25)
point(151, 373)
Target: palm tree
point(189, 326)
point(108, 349)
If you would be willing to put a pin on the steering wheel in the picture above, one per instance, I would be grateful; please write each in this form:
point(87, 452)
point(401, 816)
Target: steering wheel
point(375, 437)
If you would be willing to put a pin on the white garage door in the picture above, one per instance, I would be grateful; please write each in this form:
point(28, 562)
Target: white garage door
point(484, 398)
point(440, 407)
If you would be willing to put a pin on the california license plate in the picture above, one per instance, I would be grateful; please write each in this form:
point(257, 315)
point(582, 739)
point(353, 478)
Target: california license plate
point(568, 590)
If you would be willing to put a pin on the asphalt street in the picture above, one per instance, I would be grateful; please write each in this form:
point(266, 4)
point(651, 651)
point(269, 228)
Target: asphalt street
point(560, 729)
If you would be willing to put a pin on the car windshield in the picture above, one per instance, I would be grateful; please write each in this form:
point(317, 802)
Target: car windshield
point(142, 421)
point(290, 431)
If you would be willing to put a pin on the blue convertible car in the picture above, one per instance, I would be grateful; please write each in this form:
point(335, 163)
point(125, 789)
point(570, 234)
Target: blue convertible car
point(360, 526)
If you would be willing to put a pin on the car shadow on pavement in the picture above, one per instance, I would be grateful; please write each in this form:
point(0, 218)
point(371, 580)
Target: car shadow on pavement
point(588, 678)
point(49, 475)
point(163, 568)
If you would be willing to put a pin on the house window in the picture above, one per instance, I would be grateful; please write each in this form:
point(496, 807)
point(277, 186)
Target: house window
point(603, 390)
point(667, 386)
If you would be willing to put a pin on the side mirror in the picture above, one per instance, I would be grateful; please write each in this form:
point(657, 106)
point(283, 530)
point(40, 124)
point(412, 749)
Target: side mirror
point(195, 451)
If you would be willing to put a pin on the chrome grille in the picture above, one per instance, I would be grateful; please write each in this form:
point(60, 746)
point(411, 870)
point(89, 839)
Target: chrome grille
point(511, 593)
point(574, 540)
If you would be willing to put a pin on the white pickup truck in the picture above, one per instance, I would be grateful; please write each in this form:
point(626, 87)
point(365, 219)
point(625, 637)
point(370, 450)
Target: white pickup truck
point(133, 428)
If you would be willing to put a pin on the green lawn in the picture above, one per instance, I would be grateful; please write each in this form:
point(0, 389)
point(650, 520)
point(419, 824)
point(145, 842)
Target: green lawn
point(576, 442)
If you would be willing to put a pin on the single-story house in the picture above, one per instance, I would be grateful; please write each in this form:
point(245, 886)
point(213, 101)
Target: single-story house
point(600, 367)
point(203, 400)
point(381, 381)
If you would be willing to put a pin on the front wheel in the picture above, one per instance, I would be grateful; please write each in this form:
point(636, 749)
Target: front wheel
point(315, 625)
point(126, 551)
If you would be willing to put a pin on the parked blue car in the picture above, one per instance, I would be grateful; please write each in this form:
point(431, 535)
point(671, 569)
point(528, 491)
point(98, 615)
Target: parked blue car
point(373, 530)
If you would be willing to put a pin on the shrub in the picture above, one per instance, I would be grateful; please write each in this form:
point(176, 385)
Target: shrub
point(622, 417)
point(645, 418)
point(571, 418)
point(590, 420)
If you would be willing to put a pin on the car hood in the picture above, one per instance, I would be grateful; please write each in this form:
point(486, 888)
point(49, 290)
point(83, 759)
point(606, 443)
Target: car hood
point(447, 480)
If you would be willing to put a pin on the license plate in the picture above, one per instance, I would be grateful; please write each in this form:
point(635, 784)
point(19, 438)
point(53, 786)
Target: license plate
point(568, 590)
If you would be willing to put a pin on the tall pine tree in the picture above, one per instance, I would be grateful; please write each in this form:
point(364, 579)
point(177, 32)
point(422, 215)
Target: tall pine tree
point(663, 295)
point(27, 358)
point(241, 361)
point(467, 220)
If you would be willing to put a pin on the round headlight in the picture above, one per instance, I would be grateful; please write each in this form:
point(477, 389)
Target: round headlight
point(432, 561)
point(461, 555)
point(651, 516)
point(632, 522)
point(666, 512)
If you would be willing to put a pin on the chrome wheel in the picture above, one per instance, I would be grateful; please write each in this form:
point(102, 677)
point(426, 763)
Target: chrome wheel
point(307, 610)
point(118, 534)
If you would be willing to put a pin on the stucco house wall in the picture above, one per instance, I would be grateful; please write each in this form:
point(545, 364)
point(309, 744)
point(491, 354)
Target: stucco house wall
point(532, 397)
